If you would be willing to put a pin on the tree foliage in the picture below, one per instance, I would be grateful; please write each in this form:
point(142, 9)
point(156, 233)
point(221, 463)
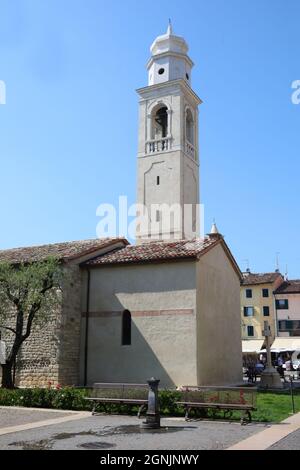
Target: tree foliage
point(28, 294)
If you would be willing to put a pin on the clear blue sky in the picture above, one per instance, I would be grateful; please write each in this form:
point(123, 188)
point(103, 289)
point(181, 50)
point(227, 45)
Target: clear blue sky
point(68, 133)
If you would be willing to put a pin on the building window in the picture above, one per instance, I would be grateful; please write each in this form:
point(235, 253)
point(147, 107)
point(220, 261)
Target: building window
point(282, 304)
point(265, 292)
point(248, 311)
point(160, 123)
point(249, 293)
point(157, 216)
point(157, 181)
point(266, 311)
point(189, 126)
point(250, 330)
point(289, 326)
point(126, 328)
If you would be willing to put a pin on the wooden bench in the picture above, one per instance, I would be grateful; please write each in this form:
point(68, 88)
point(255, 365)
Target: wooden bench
point(119, 393)
point(228, 399)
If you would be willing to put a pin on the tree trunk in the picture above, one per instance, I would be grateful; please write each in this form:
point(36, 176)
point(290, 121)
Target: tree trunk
point(7, 376)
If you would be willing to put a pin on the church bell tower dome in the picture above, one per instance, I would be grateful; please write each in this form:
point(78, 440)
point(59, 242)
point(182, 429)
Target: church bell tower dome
point(169, 59)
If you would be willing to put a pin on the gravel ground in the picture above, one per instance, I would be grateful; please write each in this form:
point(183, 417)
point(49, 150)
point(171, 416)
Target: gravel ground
point(290, 442)
point(14, 417)
point(123, 433)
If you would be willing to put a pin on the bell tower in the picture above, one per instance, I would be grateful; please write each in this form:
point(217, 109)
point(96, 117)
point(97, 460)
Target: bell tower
point(168, 151)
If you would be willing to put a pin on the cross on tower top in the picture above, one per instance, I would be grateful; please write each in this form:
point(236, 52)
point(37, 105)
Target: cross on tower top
point(170, 28)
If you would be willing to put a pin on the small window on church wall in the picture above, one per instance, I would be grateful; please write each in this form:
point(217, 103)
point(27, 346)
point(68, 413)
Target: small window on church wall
point(189, 125)
point(126, 328)
point(160, 123)
point(157, 181)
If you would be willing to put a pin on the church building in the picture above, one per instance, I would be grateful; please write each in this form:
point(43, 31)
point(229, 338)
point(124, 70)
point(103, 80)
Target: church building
point(168, 306)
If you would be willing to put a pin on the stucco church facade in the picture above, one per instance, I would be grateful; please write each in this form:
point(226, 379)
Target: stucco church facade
point(168, 306)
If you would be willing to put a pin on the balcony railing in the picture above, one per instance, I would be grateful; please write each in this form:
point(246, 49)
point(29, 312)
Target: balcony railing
point(190, 149)
point(160, 145)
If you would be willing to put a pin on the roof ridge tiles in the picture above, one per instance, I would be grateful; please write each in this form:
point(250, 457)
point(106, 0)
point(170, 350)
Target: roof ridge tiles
point(156, 251)
point(62, 250)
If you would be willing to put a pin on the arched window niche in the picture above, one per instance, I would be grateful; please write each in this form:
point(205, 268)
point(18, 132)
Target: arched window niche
point(190, 134)
point(160, 129)
point(160, 123)
point(126, 328)
point(190, 127)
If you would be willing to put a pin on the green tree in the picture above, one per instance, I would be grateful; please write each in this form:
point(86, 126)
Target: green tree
point(28, 294)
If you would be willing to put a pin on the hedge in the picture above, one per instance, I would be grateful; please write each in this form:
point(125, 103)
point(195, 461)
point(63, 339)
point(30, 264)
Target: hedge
point(271, 407)
point(70, 398)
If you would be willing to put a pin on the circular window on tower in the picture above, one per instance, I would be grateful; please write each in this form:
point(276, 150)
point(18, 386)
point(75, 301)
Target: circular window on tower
point(187, 76)
point(161, 71)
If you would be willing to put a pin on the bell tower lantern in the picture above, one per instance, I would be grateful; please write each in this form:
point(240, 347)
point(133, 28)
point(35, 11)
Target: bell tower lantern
point(168, 154)
point(169, 59)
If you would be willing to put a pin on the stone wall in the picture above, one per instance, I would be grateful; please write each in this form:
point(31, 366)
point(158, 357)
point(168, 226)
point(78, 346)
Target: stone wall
point(37, 359)
point(70, 324)
point(51, 353)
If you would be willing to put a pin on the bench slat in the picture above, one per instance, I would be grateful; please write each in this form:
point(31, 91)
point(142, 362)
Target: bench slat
point(120, 385)
point(117, 400)
point(216, 405)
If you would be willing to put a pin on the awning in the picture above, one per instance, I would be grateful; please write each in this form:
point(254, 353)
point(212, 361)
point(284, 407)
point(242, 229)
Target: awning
point(252, 345)
point(286, 344)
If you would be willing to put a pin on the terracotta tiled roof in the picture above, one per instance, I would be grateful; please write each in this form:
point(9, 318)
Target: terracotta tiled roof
point(63, 251)
point(289, 287)
point(250, 279)
point(156, 251)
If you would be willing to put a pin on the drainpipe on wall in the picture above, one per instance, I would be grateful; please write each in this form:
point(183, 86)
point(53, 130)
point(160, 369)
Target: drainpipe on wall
point(87, 317)
point(276, 318)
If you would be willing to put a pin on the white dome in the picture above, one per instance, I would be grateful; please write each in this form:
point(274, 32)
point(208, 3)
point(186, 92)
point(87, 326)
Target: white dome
point(169, 59)
point(169, 43)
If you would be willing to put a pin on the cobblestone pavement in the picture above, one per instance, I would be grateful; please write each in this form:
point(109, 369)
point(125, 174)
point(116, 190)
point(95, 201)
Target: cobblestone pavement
point(291, 442)
point(17, 416)
point(123, 432)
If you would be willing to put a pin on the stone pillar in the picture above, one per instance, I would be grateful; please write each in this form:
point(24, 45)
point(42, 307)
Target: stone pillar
point(269, 377)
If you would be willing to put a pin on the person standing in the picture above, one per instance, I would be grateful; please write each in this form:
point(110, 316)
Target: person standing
point(280, 366)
